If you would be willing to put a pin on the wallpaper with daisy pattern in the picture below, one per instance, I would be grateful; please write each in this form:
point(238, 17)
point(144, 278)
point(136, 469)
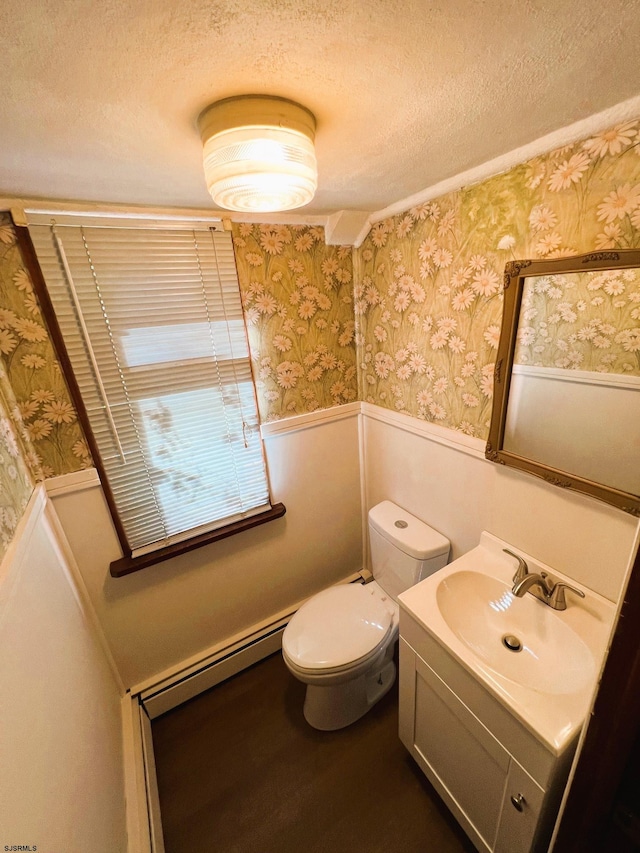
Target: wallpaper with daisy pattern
point(297, 294)
point(428, 301)
point(16, 483)
point(44, 415)
point(409, 321)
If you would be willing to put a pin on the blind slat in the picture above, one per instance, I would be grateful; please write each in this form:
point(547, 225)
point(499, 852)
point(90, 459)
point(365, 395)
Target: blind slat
point(163, 315)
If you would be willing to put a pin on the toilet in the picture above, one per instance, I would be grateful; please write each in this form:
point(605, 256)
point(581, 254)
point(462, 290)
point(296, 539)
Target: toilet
point(341, 642)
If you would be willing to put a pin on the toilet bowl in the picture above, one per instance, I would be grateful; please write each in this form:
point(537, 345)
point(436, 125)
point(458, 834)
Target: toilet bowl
point(341, 642)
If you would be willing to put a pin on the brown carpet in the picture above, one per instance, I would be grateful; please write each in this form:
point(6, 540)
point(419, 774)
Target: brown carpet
point(240, 771)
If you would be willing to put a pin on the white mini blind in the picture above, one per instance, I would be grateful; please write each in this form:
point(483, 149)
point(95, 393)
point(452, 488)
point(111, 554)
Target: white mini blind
point(152, 322)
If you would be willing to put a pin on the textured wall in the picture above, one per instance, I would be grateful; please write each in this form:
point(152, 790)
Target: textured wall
point(428, 302)
point(297, 294)
point(45, 414)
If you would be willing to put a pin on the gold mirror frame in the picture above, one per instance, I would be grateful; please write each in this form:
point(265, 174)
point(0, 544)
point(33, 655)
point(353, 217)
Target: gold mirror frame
point(516, 272)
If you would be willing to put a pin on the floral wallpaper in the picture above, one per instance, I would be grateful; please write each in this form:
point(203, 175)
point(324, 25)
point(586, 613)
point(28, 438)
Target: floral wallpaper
point(44, 413)
point(428, 300)
point(582, 321)
point(298, 299)
point(16, 483)
point(410, 320)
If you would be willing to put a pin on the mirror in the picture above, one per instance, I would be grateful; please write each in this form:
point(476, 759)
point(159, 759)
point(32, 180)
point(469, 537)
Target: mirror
point(567, 379)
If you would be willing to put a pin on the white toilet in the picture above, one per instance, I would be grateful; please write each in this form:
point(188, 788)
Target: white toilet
point(341, 642)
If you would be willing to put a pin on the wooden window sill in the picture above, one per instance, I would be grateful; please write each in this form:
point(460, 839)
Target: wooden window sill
point(128, 564)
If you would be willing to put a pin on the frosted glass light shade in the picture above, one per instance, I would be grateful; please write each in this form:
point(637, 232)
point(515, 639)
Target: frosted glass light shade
point(258, 153)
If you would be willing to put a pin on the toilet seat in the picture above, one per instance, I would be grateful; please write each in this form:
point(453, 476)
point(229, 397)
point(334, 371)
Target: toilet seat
point(337, 629)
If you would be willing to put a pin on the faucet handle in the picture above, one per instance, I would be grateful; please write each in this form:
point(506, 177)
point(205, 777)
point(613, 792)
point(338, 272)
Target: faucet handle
point(557, 598)
point(522, 571)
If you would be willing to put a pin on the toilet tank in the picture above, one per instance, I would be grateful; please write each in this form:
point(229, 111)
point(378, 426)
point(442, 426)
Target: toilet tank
point(404, 550)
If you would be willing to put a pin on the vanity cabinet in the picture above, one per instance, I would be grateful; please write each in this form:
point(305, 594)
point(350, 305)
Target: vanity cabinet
point(501, 783)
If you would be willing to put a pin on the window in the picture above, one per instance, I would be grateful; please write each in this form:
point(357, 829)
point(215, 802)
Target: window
point(152, 324)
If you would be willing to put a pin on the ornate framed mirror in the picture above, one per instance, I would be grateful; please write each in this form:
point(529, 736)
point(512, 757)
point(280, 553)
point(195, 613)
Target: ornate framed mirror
point(567, 378)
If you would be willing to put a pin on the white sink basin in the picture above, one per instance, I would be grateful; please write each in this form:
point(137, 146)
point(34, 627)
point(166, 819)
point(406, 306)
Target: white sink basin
point(468, 608)
point(519, 638)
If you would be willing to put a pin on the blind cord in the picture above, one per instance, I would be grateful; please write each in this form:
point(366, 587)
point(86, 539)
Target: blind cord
point(125, 390)
point(132, 308)
point(87, 342)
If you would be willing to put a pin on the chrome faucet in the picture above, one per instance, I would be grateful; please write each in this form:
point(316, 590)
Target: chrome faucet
point(542, 586)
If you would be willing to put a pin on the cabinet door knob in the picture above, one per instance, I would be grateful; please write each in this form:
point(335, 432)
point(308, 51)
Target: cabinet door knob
point(518, 802)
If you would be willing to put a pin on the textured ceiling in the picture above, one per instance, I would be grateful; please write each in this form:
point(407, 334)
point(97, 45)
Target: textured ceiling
point(98, 100)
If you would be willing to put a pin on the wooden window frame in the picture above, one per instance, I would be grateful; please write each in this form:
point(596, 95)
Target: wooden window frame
point(126, 564)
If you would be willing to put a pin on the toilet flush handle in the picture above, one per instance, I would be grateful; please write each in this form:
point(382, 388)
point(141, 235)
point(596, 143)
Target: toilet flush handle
point(518, 802)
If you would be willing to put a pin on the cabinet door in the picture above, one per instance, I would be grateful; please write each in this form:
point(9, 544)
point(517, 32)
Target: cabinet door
point(407, 694)
point(462, 759)
point(520, 812)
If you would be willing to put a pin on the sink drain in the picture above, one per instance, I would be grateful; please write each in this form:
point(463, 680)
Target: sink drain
point(512, 643)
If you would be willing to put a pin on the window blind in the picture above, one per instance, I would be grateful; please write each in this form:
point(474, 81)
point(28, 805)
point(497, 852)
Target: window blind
point(153, 326)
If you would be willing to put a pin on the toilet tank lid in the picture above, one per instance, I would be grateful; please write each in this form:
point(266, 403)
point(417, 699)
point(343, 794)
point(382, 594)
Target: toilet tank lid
point(412, 536)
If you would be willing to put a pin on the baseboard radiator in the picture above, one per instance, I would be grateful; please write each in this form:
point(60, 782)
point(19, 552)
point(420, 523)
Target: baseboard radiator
point(224, 663)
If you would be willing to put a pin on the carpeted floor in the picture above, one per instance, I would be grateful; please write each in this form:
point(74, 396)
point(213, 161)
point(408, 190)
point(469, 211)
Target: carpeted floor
point(240, 771)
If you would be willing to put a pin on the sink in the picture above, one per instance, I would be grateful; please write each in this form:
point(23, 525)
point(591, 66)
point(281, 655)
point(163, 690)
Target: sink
point(519, 638)
point(539, 663)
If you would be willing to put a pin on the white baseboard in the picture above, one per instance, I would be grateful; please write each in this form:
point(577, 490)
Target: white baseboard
point(213, 671)
point(214, 665)
point(135, 785)
point(144, 824)
point(153, 797)
point(169, 690)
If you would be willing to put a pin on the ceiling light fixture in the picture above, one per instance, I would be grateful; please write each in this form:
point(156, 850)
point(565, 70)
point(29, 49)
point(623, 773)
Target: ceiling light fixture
point(258, 153)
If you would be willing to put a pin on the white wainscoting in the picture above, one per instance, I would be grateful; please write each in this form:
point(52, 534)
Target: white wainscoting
point(328, 468)
point(156, 619)
point(72, 636)
point(442, 477)
point(62, 785)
